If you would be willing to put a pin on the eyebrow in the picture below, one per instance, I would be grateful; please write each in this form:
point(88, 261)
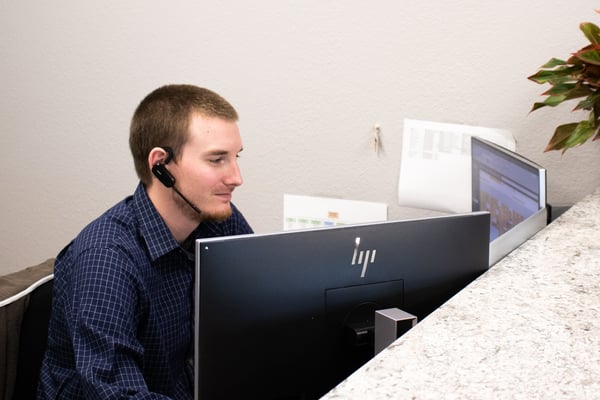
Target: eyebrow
point(221, 152)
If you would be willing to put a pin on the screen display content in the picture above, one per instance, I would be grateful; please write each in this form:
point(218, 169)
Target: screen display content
point(506, 184)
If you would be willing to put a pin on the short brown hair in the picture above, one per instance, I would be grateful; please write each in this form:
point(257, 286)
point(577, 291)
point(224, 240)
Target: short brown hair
point(162, 119)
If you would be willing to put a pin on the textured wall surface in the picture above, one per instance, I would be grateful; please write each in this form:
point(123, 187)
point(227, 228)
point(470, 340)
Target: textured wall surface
point(310, 79)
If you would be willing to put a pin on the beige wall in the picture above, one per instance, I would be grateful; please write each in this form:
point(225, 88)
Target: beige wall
point(310, 78)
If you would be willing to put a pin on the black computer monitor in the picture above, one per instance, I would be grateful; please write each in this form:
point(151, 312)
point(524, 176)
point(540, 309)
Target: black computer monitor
point(289, 315)
point(513, 189)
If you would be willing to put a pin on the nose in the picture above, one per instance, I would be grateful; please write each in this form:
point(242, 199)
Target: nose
point(234, 175)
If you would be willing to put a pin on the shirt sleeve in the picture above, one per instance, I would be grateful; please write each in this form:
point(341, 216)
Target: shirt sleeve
point(103, 322)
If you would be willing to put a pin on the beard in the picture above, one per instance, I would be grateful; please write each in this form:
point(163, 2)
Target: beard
point(190, 213)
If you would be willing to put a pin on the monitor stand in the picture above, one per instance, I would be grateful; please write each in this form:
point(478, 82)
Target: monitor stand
point(390, 324)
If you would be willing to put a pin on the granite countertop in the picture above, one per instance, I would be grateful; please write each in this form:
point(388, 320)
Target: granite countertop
point(529, 328)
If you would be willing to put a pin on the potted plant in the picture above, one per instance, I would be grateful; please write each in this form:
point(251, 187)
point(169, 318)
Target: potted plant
point(576, 78)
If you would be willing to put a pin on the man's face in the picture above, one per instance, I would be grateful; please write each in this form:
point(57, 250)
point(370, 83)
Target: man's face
point(208, 171)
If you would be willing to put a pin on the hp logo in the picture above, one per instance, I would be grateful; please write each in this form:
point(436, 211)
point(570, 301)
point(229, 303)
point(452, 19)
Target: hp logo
point(362, 257)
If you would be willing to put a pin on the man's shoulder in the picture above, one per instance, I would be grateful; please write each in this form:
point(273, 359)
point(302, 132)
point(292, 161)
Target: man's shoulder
point(111, 242)
point(116, 229)
point(117, 223)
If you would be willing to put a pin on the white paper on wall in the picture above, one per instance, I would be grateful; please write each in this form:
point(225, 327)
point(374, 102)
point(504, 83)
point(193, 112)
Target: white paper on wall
point(435, 170)
point(301, 212)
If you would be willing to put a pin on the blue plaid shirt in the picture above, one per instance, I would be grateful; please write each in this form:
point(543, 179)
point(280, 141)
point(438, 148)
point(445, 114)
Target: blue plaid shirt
point(122, 308)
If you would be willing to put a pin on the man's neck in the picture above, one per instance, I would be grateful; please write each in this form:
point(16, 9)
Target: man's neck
point(180, 224)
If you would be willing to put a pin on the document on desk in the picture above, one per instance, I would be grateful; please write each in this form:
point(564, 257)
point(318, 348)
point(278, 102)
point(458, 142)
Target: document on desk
point(301, 212)
point(435, 169)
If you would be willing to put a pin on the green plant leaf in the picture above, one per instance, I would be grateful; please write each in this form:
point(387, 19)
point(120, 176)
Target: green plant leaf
point(556, 76)
point(574, 61)
point(579, 91)
point(589, 54)
point(591, 32)
point(589, 103)
point(554, 62)
point(560, 136)
point(553, 101)
point(550, 101)
point(582, 132)
point(537, 106)
point(577, 77)
point(592, 117)
point(560, 88)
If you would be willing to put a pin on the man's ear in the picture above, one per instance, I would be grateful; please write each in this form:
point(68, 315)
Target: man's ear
point(158, 155)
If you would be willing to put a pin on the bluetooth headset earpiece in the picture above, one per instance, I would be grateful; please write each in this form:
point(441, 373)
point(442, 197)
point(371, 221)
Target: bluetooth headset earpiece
point(166, 178)
point(161, 172)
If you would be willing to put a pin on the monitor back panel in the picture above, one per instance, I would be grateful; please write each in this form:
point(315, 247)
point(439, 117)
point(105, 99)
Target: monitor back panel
point(272, 310)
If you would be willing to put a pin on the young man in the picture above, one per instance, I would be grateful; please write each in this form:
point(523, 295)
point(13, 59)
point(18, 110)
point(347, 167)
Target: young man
point(122, 311)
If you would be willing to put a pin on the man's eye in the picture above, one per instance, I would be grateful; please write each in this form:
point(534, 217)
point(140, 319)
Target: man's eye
point(216, 160)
